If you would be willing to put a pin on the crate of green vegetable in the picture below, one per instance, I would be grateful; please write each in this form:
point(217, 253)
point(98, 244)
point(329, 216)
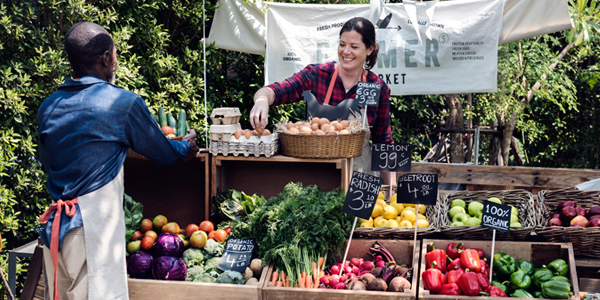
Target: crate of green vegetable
point(521, 270)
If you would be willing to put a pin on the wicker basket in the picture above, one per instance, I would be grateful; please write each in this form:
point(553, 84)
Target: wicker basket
point(520, 199)
point(400, 232)
point(134, 155)
point(322, 146)
point(586, 241)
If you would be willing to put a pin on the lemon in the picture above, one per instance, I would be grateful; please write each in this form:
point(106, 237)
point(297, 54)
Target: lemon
point(422, 223)
point(365, 220)
point(409, 205)
point(377, 219)
point(406, 223)
point(393, 223)
point(422, 209)
point(366, 224)
point(408, 215)
point(381, 223)
point(389, 212)
point(421, 217)
point(381, 203)
point(399, 207)
point(381, 196)
point(376, 211)
point(398, 219)
point(409, 208)
point(393, 199)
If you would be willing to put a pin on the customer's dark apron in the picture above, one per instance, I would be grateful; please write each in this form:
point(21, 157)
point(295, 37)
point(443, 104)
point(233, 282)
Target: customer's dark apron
point(341, 111)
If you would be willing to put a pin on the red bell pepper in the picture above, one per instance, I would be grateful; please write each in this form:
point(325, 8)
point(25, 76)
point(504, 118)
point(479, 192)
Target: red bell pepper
point(470, 260)
point(455, 265)
point(453, 275)
point(432, 280)
point(484, 282)
point(485, 269)
point(480, 252)
point(451, 289)
point(494, 291)
point(453, 250)
point(437, 257)
point(469, 284)
point(443, 278)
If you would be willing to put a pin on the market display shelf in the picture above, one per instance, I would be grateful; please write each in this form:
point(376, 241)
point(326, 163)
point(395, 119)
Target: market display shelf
point(403, 252)
point(537, 253)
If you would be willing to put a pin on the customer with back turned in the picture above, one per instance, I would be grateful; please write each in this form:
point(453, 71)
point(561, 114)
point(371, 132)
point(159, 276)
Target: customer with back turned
point(85, 131)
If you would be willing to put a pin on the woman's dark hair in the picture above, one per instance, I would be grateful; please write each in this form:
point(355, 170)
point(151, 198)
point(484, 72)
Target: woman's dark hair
point(366, 29)
point(85, 42)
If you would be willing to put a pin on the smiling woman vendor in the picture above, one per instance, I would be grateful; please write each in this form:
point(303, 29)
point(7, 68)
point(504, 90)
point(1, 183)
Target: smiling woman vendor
point(335, 84)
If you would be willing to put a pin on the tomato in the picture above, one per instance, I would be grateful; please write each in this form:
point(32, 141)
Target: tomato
point(228, 230)
point(190, 229)
point(168, 130)
point(206, 226)
point(136, 235)
point(211, 235)
point(151, 233)
point(146, 225)
point(220, 235)
point(147, 242)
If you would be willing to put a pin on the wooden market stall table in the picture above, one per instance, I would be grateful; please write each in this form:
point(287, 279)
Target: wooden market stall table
point(268, 176)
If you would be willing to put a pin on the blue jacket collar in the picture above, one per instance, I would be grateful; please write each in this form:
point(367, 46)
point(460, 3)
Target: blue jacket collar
point(84, 81)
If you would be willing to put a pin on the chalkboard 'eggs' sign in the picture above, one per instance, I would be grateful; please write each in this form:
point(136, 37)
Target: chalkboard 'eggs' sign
point(362, 194)
point(367, 93)
point(391, 157)
point(237, 255)
point(495, 216)
point(417, 188)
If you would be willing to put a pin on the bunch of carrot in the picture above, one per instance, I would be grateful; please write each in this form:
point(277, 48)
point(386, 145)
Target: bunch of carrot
point(307, 272)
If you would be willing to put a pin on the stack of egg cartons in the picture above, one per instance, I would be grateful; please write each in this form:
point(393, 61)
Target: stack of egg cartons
point(225, 123)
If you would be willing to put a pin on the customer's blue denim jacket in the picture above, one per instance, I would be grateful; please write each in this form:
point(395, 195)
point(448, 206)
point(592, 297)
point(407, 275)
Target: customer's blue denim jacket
point(85, 131)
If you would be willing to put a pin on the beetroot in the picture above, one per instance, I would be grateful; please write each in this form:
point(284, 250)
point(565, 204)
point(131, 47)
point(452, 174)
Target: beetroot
point(567, 214)
point(563, 204)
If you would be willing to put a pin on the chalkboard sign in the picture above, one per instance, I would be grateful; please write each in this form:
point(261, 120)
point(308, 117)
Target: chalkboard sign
point(237, 255)
point(391, 157)
point(367, 93)
point(362, 194)
point(495, 216)
point(417, 188)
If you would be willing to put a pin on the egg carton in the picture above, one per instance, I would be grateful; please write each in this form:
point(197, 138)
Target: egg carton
point(223, 132)
point(265, 145)
point(225, 115)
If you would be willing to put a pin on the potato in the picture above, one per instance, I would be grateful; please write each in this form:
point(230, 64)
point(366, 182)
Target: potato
point(252, 281)
point(248, 273)
point(256, 267)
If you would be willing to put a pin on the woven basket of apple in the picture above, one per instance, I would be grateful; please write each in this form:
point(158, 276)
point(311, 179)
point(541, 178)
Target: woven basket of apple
point(570, 215)
point(460, 214)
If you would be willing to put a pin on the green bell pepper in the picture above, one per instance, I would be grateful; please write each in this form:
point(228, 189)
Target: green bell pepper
point(541, 275)
point(501, 285)
point(504, 264)
point(556, 289)
point(537, 294)
point(559, 267)
point(520, 280)
point(521, 294)
point(562, 278)
point(526, 267)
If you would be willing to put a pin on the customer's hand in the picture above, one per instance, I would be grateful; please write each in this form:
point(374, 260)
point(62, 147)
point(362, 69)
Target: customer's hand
point(259, 113)
point(191, 139)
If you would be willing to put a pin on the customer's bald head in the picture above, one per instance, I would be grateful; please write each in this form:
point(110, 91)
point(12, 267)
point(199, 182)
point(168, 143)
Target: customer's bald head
point(85, 43)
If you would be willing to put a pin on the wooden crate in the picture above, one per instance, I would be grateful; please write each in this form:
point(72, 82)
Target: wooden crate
point(268, 176)
point(537, 253)
point(180, 192)
point(144, 289)
point(403, 252)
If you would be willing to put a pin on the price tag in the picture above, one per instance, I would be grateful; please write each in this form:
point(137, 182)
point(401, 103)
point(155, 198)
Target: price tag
point(495, 216)
point(417, 189)
point(237, 255)
point(367, 93)
point(391, 157)
point(362, 194)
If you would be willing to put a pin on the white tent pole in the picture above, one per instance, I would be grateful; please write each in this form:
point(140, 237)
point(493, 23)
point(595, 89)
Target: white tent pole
point(204, 59)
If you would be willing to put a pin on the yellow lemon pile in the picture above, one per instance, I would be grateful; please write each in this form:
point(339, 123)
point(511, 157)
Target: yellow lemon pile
point(395, 214)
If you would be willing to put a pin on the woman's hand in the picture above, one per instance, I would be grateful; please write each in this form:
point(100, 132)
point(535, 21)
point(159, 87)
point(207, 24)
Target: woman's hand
point(260, 111)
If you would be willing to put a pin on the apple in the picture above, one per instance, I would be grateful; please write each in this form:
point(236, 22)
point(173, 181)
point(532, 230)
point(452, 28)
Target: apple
point(513, 210)
point(594, 210)
point(516, 224)
point(472, 221)
point(458, 202)
point(198, 239)
point(171, 227)
point(514, 218)
point(555, 216)
point(454, 224)
point(567, 213)
point(134, 246)
point(594, 222)
point(563, 204)
point(460, 217)
point(158, 222)
point(581, 220)
point(495, 200)
point(555, 222)
point(580, 211)
point(456, 209)
point(475, 208)
point(576, 225)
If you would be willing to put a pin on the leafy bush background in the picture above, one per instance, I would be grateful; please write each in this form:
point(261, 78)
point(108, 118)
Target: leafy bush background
point(160, 58)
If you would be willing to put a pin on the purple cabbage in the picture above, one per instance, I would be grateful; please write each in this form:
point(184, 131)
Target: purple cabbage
point(168, 244)
point(140, 264)
point(169, 268)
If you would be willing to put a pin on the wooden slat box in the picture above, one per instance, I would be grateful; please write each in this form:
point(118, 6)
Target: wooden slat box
point(403, 252)
point(537, 253)
point(144, 289)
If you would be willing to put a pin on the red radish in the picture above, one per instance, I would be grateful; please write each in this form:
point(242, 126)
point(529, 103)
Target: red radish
point(324, 280)
point(343, 278)
point(367, 266)
point(323, 287)
point(335, 270)
point(355, 270)
point(378, 257)
point(340, 286)
point(333, 282)
point(364, 272)
point(354, 262)
point(380, 264)
point(348, 269)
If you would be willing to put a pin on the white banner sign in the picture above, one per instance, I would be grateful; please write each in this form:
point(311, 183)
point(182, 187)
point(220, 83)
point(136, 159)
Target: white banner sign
point(424, 47)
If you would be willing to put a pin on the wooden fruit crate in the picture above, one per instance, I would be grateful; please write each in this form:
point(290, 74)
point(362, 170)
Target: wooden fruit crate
point(537, 253)
point(144, 289)
point(403, 252)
